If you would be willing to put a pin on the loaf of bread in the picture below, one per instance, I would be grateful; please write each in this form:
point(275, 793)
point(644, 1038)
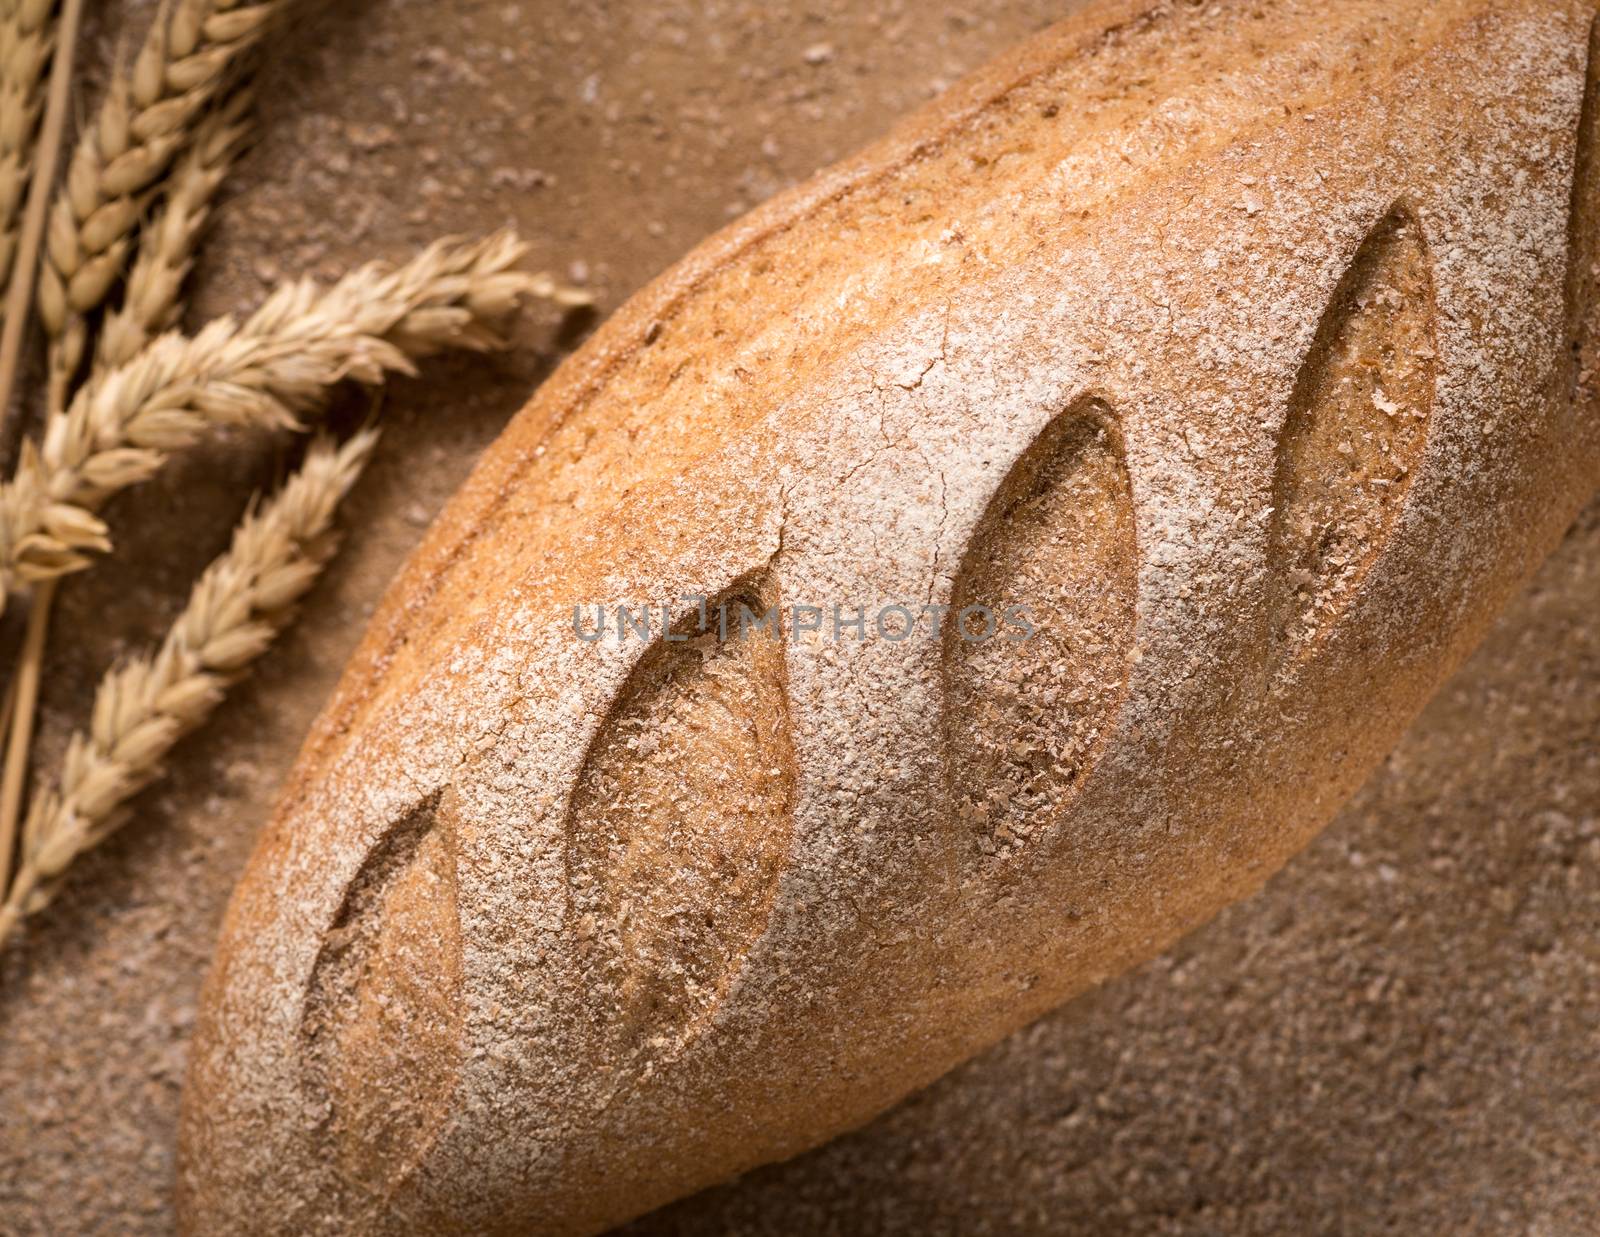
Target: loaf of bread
point(1121, 454)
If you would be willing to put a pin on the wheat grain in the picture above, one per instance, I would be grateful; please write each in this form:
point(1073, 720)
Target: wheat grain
point(26, 34)
point(120, 427)
point(151, 301)
point(144, 707)
point(145, 119)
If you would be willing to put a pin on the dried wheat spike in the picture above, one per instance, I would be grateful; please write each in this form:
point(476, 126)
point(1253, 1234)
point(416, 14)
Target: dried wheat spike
point(122, 425)
point(27, 33)
point(141, 709)
point(145, 119)
point(151, 301)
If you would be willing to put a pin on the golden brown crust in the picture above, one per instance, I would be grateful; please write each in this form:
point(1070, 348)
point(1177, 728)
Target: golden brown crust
point(1221, 312)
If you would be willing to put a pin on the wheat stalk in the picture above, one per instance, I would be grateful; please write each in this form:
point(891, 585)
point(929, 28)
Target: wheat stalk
point(27, 31)
point(120, 428)
point(145, 119)
point(24, 257)
point(144, 707)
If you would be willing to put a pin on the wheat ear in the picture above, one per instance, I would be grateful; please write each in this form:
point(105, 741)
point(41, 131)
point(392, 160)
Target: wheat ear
point(145, 119)
point(151, 301)
point(120, 428)
point(27, 30)
point(37, 169)
point(144, 707)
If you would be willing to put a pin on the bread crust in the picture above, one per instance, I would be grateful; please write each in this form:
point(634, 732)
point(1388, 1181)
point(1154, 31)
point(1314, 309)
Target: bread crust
point(1231, 337)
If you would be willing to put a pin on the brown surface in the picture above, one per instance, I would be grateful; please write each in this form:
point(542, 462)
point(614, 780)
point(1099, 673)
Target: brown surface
point(1398, 1030)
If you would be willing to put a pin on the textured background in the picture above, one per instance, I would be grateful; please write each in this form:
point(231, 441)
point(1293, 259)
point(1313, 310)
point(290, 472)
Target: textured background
point(1398, 1034)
